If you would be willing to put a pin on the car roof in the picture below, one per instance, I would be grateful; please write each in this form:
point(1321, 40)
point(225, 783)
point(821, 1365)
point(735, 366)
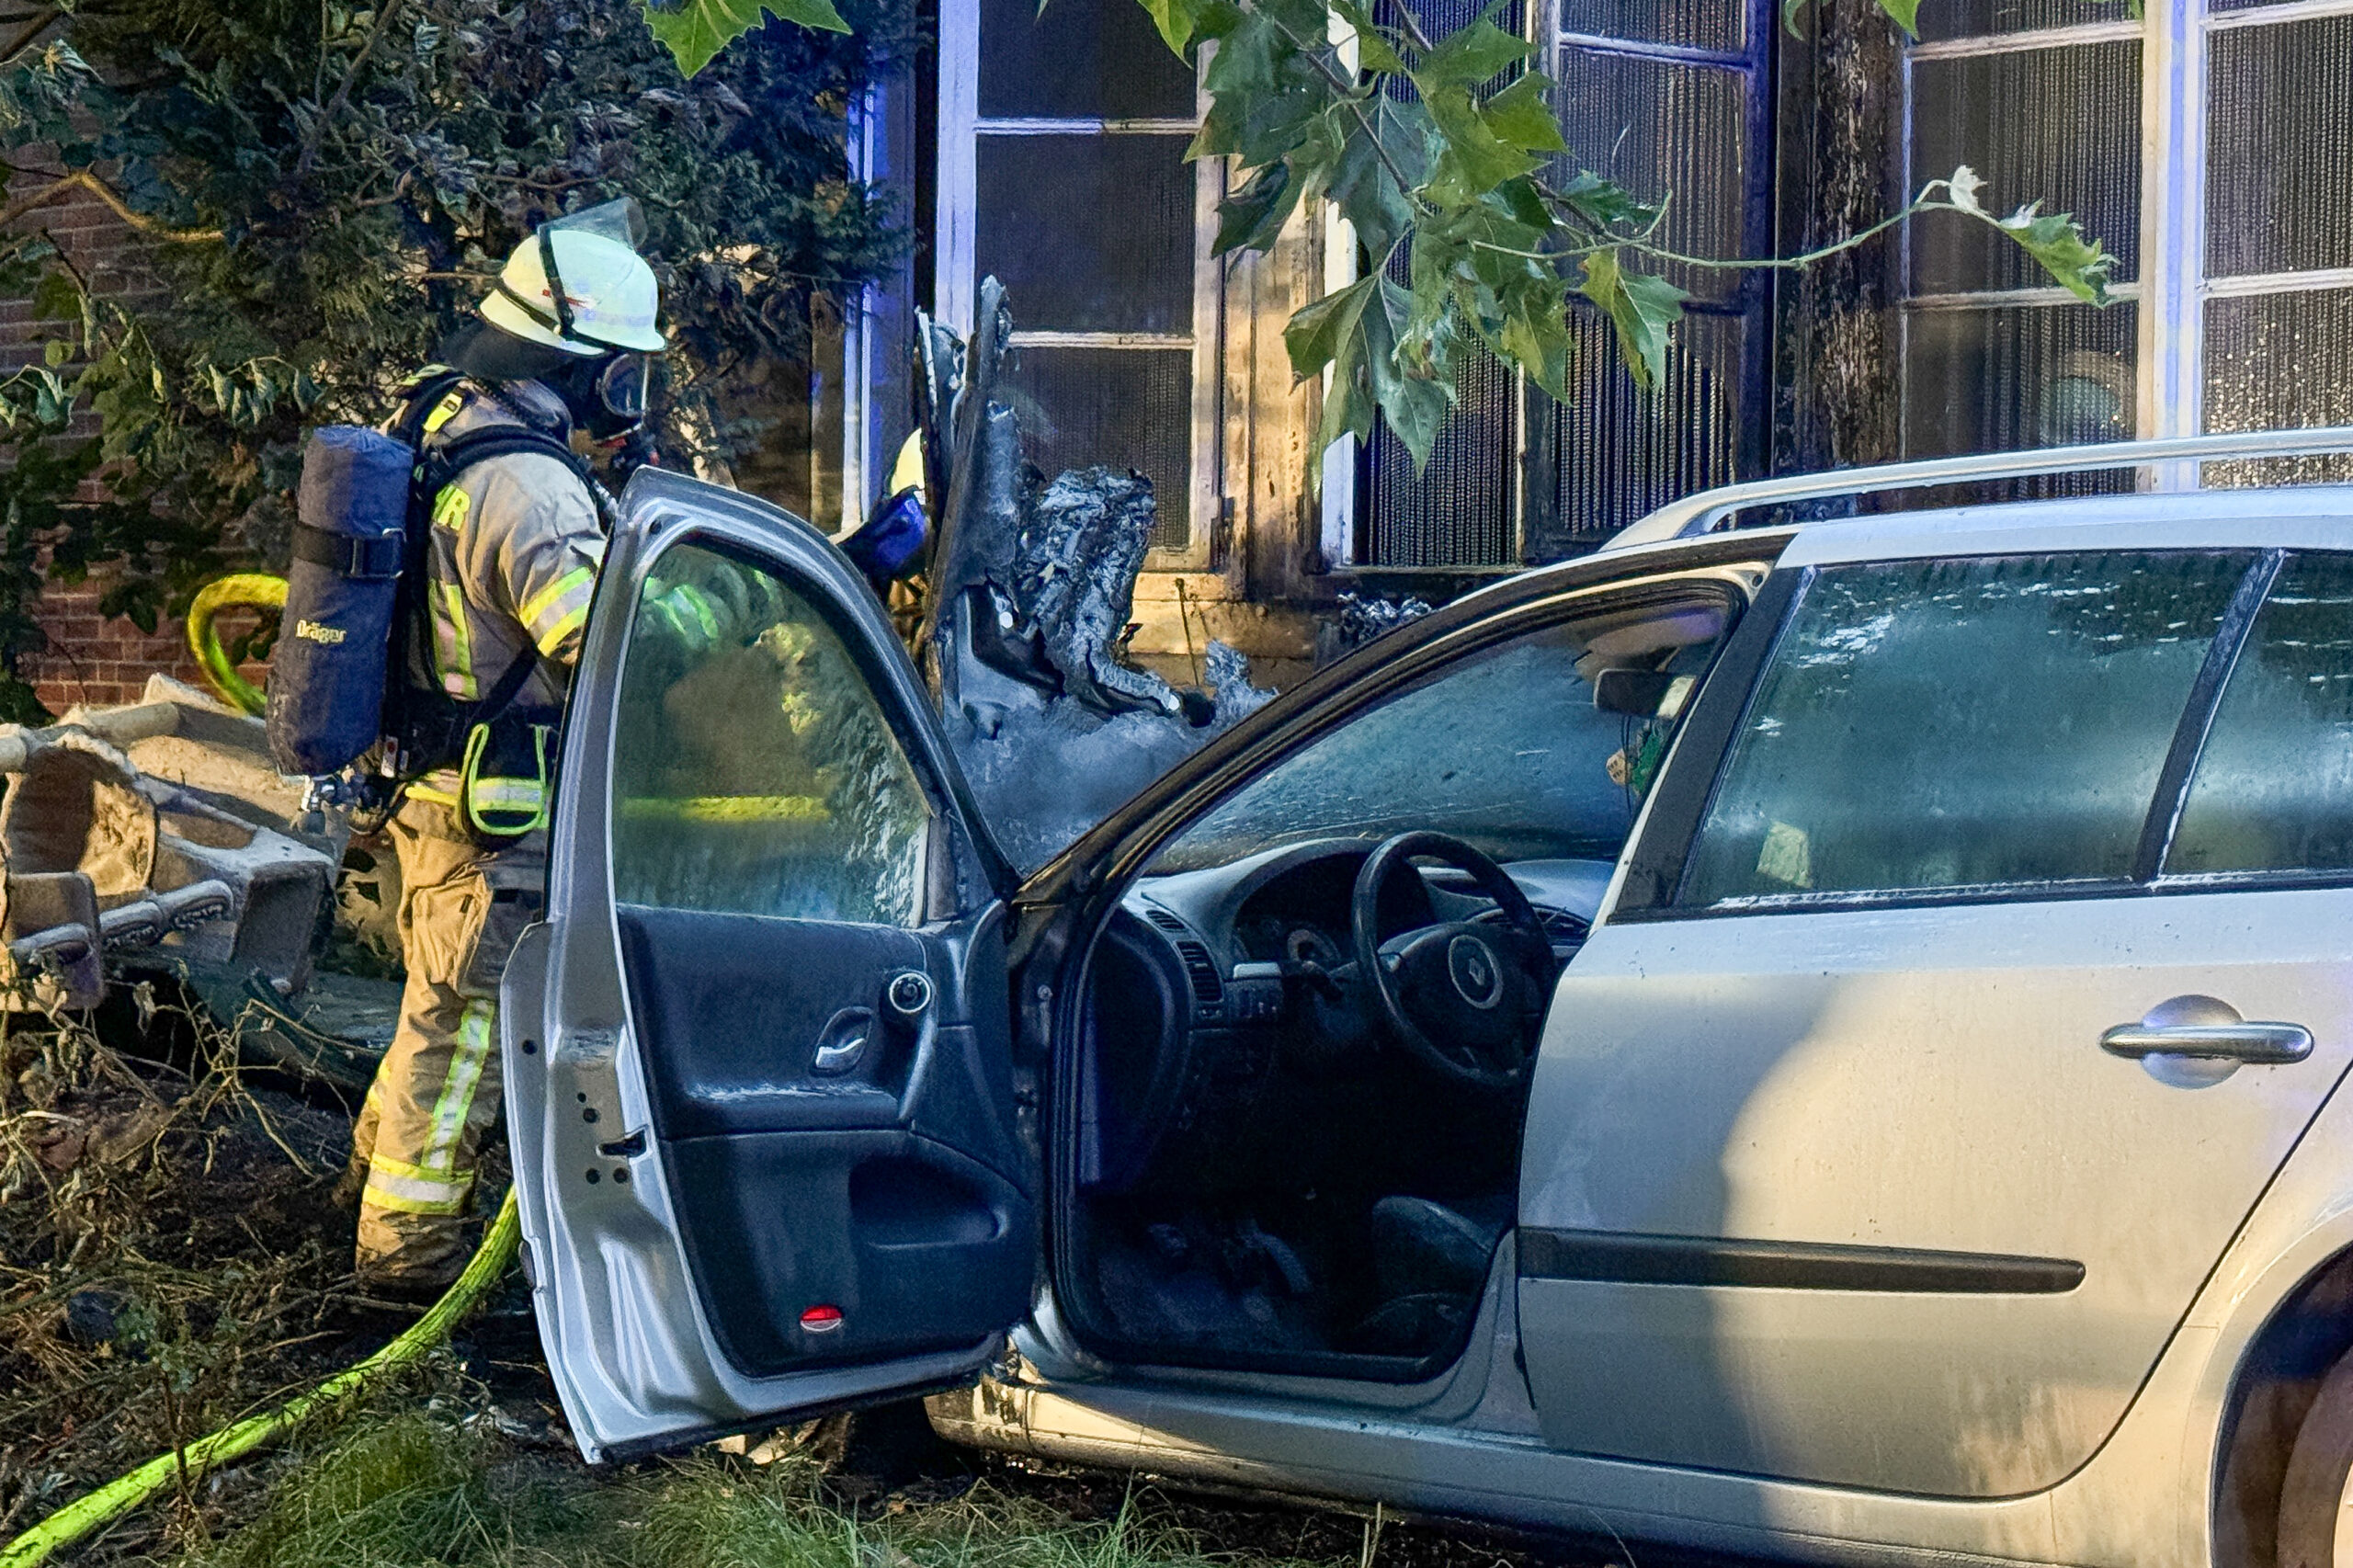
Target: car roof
point(2173, 459)
point(2313, 517)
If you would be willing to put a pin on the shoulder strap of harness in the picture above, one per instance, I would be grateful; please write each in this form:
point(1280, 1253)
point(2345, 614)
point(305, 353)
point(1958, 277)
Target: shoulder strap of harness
point(417, 711)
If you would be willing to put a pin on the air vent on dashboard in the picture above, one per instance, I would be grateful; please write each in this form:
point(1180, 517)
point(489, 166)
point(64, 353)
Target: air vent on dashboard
point(1165, 920)
point(1203, 971)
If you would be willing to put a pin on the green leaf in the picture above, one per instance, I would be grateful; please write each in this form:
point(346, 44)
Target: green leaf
point(1473, 160)
point(1605, 202)
point(1360, 184)
point(56, 352)
point(1906, 14)
point(1521, 117)
point(699, 29)
point(1316, 333)
point(1537, 342)
point(57, 297)
point(1415, 407)
point(1640, 307)
point(1176, 19)
point(1252, 216)
point(1249, 58)
point(1373, 50)
point(1469, 56)
point(2078, 263)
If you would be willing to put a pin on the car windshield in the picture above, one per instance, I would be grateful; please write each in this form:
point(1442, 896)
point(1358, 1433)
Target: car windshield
point(1504, 749)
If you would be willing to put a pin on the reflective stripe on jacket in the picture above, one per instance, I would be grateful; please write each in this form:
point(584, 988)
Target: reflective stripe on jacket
point(514, 553)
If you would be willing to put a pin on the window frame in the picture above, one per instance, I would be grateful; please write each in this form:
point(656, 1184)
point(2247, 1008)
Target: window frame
point(1343, 518)
point(1660, 858)
point(2170, 295)
point(956, 282)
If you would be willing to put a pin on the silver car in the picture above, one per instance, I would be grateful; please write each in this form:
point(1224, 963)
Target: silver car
point(1815, 1040)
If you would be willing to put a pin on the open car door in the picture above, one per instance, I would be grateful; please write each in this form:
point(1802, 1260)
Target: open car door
point(759, 1084)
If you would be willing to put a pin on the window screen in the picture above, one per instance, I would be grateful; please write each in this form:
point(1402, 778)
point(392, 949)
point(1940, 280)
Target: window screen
point(1668, 98)
point(1993, 359)
point(1941, 724)
point(2274, 787)
point(752, 773)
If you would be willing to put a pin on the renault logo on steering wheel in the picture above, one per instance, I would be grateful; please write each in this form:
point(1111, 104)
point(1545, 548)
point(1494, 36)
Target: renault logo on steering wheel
point(1472, 965)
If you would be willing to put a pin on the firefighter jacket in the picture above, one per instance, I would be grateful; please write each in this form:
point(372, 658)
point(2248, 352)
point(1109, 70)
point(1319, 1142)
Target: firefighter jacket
point(511, 564)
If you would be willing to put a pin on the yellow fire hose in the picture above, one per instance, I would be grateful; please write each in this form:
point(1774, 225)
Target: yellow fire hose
point(253, 588)
point(84, 1515)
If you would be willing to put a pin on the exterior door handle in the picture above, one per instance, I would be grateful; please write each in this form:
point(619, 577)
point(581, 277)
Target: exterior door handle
point(2205, 1029)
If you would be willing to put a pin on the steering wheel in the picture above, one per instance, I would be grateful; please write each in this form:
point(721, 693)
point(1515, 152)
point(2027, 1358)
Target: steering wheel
point(1462, 994)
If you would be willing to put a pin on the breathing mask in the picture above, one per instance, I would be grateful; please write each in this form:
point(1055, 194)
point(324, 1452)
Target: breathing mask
point(608, 396)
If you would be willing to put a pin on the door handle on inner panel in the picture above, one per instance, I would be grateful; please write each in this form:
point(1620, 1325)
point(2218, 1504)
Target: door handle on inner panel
point(843, 1041)
point(2206, 1029)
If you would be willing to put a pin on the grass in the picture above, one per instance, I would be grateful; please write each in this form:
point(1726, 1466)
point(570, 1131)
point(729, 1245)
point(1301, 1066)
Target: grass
point(404, 1488)
point(169, 1260)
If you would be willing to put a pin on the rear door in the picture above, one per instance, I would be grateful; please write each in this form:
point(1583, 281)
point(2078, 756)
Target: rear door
point(758, 1084)
point(1947, 1031)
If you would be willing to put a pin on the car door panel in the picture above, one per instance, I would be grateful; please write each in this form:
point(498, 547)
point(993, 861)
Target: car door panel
point(1830, 1174)
point(763, 1100)
point(901, 1214)
point(1978, 1166)
point(737, 1008)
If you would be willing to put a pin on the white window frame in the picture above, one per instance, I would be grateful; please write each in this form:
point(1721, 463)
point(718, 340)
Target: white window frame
point(2170, 294)
point(860, 427)
point(956, 282)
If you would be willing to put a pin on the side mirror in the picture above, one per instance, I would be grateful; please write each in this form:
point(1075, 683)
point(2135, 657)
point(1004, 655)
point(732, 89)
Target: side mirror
point(1641, 694)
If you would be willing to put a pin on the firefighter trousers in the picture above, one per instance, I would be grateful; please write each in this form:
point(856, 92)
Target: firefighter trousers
point(418, 1142)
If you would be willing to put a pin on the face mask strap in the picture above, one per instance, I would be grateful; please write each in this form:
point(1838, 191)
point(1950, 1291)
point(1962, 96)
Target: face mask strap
point(555, 284)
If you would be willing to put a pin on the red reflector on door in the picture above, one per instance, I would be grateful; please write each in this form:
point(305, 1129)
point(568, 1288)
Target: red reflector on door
point(822, 1320)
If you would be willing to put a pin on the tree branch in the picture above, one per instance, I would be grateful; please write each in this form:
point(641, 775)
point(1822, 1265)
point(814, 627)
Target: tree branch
point(1919, 204)
point(1346, 90)
point(343, 89)
point(83, 179)
point(1413, 33)
point(30, 33)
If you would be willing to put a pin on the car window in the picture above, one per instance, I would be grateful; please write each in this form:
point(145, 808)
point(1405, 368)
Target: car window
point(1504, 749)
point(753, 772)
point(1944, 724)
point(2273, 790)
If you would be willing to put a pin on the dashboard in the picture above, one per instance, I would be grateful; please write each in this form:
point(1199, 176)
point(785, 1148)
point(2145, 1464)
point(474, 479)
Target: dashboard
point(1217, 1012)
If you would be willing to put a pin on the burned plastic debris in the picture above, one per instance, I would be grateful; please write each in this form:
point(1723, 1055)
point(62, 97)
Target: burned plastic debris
point(1360, 617)
point(1032, 588)
point(155, 838)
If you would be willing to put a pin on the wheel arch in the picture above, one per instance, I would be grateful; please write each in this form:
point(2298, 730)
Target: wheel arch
point(2273, 1384)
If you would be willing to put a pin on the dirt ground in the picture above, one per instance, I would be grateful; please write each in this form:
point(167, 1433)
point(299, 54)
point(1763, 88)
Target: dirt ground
point(172, 1258)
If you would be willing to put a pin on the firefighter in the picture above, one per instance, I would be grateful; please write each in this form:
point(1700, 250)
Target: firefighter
point(564, 344)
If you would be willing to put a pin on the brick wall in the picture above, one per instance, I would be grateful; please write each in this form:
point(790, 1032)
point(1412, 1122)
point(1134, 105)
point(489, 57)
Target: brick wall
point(91, 658)
point(97, 660)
